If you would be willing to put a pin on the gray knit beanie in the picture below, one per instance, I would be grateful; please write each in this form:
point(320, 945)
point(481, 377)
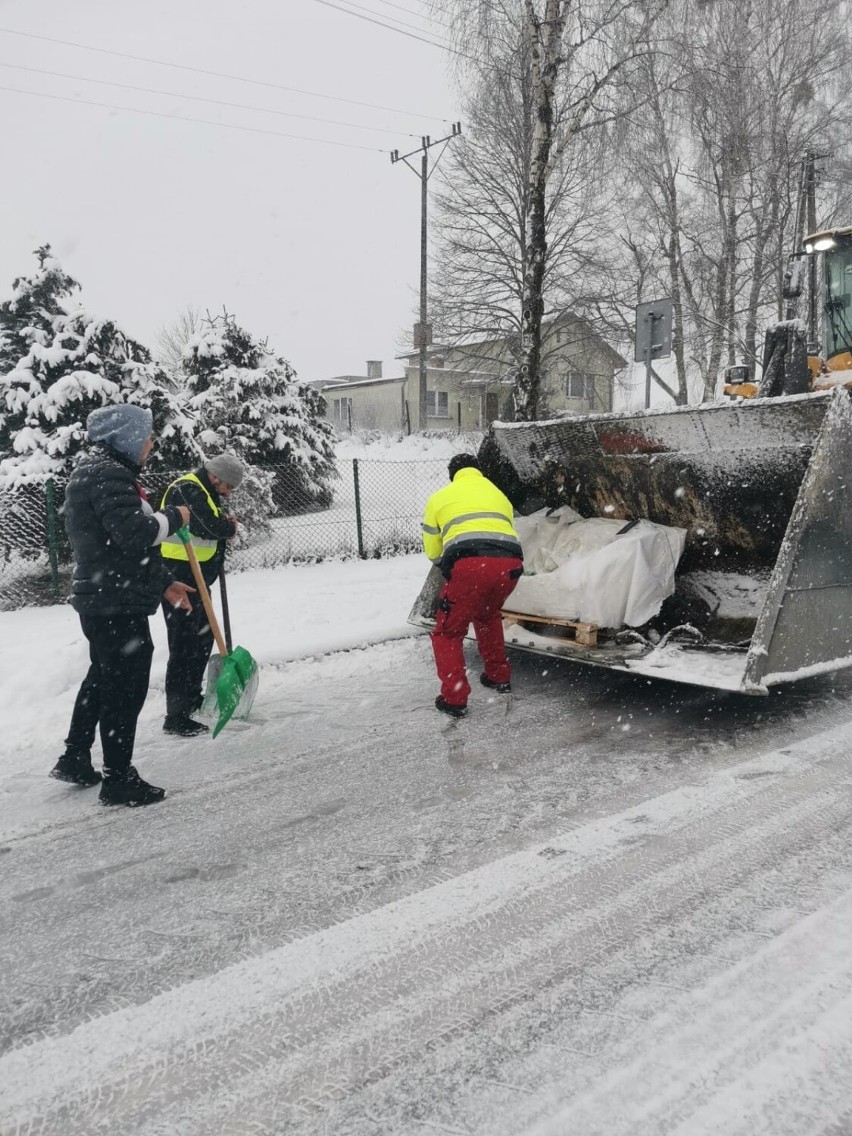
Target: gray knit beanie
point(227, 467)
point(123, 428)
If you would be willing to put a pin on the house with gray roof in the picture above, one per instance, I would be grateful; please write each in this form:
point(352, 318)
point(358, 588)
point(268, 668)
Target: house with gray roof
point(469, 385)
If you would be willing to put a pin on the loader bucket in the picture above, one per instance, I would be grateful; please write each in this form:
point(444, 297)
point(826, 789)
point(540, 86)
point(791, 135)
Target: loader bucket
point(763, 488)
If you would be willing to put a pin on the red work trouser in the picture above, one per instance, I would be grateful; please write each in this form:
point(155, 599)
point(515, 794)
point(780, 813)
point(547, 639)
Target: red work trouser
point(476, 590)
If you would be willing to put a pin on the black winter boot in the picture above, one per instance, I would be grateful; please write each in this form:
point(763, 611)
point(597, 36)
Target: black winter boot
point(129, 790)
point(184, 726)
point(500, 687)
point(448, 708)
point(76, 769)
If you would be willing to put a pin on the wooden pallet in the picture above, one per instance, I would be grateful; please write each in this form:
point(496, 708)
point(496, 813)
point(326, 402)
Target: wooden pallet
point(583, 634)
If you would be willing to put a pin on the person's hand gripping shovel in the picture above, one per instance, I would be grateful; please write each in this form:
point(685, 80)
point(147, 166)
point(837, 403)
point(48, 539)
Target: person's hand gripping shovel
point(232, 675)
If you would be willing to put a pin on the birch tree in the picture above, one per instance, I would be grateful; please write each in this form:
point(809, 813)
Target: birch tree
point(718, 158)
point(481, 217)
point(581, 56)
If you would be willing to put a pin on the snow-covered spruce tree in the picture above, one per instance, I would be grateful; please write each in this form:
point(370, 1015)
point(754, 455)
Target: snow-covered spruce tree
point(26, 336)
point(57, 364)
point(247, 400)
point(176, 445)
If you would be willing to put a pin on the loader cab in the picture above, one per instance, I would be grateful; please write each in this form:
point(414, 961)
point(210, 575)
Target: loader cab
point(834, 246)
point(813, 355)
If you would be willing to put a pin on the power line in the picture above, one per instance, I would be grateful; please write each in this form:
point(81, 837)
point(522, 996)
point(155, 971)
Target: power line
point(411, 12)
point(216, 74)
point(396, 20)
point(431, 42)
point(390, 27)
point(201, 99)
point(202, 121)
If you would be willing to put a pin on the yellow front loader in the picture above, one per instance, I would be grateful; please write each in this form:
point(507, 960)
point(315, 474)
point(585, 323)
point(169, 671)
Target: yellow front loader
point(816, 355)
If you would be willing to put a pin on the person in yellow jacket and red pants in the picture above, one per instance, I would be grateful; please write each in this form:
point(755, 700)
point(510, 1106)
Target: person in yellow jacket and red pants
point(468, 532)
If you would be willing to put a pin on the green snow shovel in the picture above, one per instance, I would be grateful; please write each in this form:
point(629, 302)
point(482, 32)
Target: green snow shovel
point(214, 668)
point(232, 674)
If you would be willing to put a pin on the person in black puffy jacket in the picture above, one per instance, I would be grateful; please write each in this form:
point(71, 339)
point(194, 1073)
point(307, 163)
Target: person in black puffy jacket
point(118, 581)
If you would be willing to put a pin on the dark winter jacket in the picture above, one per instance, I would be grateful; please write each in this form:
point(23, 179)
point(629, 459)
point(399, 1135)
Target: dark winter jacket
point(203, 523)
point(113, 530)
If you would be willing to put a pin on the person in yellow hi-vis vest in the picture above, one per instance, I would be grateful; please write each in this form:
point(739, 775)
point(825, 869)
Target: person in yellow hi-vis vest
point(468, 533)
point(189, 634)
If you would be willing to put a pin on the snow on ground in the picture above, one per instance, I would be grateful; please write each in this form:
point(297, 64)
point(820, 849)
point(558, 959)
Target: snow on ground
point(280, 614)
point(240, 1001)
point(603, 905)
point(531, 922)
point(411, 447)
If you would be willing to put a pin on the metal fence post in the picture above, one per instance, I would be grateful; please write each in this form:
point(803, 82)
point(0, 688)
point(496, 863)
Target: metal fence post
point(358, 525)
point(52, 544)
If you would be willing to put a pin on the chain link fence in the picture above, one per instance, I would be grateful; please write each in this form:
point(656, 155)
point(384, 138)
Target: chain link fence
point(374, 509)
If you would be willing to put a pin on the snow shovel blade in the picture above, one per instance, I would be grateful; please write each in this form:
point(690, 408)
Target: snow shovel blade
point(210, 706)
point(231, 687)
point(426, 605)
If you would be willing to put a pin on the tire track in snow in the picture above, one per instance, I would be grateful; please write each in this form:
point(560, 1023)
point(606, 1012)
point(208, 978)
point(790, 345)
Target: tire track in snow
point(285, 1038)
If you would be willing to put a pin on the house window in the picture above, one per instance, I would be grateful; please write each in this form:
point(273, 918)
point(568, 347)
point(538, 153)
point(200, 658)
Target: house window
point(341, 411)
point(579, 384)
point(437, 404)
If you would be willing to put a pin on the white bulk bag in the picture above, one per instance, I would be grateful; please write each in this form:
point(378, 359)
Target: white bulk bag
point(582, 569)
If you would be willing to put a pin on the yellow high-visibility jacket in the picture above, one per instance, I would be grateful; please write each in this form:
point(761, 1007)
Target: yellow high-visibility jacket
point(469, 517)
point(173, 547)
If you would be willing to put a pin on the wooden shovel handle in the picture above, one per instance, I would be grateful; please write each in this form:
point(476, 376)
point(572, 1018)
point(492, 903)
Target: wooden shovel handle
point(203, 591)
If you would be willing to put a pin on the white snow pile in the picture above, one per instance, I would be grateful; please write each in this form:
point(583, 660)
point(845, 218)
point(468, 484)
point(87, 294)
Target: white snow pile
point(595, 570)
point(730, 595)
point(833, 379)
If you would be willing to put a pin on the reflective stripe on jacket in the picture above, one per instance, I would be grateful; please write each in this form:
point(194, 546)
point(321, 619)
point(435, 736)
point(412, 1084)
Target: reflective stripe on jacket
point(173, 547)
point(469, 510)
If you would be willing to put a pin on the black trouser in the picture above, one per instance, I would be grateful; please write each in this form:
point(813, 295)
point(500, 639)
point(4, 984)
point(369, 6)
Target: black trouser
point(190, 644)
point(114, 690)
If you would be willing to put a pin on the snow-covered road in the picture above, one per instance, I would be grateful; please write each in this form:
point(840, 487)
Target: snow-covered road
point(605, 905)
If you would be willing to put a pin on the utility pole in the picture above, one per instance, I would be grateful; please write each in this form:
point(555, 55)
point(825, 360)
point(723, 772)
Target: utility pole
point(424, 174)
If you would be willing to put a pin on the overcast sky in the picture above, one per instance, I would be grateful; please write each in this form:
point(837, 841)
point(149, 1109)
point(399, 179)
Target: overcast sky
point(315, 246)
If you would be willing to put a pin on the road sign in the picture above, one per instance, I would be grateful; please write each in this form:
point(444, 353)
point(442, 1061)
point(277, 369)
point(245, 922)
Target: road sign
point(653, 330)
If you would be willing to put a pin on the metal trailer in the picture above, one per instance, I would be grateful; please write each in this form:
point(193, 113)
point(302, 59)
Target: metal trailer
point(763, 488)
